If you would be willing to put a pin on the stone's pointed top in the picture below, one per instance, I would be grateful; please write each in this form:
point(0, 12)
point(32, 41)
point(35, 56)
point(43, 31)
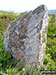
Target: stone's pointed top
point(40, 9)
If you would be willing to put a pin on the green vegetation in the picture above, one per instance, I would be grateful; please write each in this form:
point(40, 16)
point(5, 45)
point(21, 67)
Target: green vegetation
point(7, 62)
point(50, 58)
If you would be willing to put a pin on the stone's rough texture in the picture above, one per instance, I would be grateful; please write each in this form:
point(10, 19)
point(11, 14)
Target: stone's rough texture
point(26, 37)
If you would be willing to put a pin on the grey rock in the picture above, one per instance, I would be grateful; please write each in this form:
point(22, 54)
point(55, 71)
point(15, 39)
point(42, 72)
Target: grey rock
point(3, 74)
point(26, 37)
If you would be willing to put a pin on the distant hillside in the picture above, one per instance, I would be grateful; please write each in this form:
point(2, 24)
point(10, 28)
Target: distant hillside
point(52, 11)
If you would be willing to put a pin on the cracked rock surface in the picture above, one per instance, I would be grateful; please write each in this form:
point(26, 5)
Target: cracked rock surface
point(26, 37)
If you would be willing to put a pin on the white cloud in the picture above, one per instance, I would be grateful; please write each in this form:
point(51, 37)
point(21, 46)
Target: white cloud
point(25, 5)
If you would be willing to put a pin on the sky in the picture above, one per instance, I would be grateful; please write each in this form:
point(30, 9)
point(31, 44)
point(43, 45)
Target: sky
point(25, 5)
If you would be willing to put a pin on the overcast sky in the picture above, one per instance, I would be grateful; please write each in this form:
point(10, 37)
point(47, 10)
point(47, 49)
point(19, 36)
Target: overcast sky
point(25, 5)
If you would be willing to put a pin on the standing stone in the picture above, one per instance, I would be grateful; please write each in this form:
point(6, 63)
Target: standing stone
point(26, 37)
